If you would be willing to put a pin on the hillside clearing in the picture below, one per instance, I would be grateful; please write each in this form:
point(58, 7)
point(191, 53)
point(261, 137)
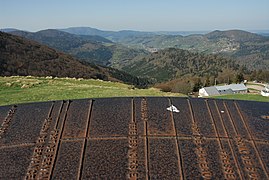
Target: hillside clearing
point(247, 97)
point(21, 89)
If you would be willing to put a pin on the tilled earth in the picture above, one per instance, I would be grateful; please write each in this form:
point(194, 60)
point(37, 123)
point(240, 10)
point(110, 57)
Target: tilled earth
point(135, 138)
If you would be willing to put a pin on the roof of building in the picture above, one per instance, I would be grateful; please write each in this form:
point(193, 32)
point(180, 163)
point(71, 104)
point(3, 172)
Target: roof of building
point(211, 91)
point(233, 87)
point(136, 138)
point(226, 91)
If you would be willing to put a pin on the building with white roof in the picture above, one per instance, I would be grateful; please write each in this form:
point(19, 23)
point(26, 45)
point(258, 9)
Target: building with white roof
point(221, 90)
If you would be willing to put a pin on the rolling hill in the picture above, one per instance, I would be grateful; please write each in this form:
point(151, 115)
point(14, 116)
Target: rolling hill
point(236, 35)
point(174, 63)
point(89, 48)
point(249, 49)
point(20, 56)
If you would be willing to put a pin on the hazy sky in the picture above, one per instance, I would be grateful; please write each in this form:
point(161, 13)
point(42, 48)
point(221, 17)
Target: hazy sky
point(145, 15)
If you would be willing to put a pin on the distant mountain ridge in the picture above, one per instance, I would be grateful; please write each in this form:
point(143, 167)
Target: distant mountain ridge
point(89, 48)
point(247, 48)
point(87, 31)
point(83, 30)
point(115, 36)
point(108, 33)
point(20, 56)
point(7, 30)
point(59, 39)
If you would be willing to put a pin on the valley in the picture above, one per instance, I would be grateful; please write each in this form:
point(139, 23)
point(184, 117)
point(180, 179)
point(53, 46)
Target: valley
point(90, 48)
point(109, 47)
point(169, 61)
point(20, 56)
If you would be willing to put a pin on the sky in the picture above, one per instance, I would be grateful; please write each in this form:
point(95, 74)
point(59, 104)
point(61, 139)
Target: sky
point(142, 15)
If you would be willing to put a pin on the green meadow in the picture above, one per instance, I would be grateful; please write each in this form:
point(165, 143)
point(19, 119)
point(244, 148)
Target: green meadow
point(247, 97)
point(20, 89)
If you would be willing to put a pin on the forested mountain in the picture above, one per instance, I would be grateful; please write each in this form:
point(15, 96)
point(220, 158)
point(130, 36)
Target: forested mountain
point(89, 48)
point(46, 36)
point(20, 56)
point(216, 55)
point(249, 49)
point(175, 63)
point(246, 48)
point(236, 35)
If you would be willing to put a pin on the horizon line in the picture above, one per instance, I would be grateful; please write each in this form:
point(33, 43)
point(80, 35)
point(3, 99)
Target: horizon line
point(128, 29)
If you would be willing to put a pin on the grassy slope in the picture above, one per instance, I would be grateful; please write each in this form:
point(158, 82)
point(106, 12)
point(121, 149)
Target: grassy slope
point(14, 90)
point(248, 97)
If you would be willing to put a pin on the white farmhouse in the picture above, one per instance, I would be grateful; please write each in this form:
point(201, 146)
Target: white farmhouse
point(220, 90)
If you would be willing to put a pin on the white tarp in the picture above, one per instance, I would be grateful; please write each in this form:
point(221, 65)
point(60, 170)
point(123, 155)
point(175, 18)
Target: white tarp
point(172, 108)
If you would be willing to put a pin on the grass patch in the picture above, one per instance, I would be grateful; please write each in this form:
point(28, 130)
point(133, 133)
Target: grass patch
point(254, 84)
point(247, 97)
point(19, 89)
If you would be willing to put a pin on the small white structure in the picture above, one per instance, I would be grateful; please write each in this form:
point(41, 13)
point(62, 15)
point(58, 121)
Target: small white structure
point(172, 108)
point(265, 91)
point(220, 90)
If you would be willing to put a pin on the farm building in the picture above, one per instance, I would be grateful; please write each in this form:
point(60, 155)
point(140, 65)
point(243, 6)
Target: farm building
point(221, 90)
